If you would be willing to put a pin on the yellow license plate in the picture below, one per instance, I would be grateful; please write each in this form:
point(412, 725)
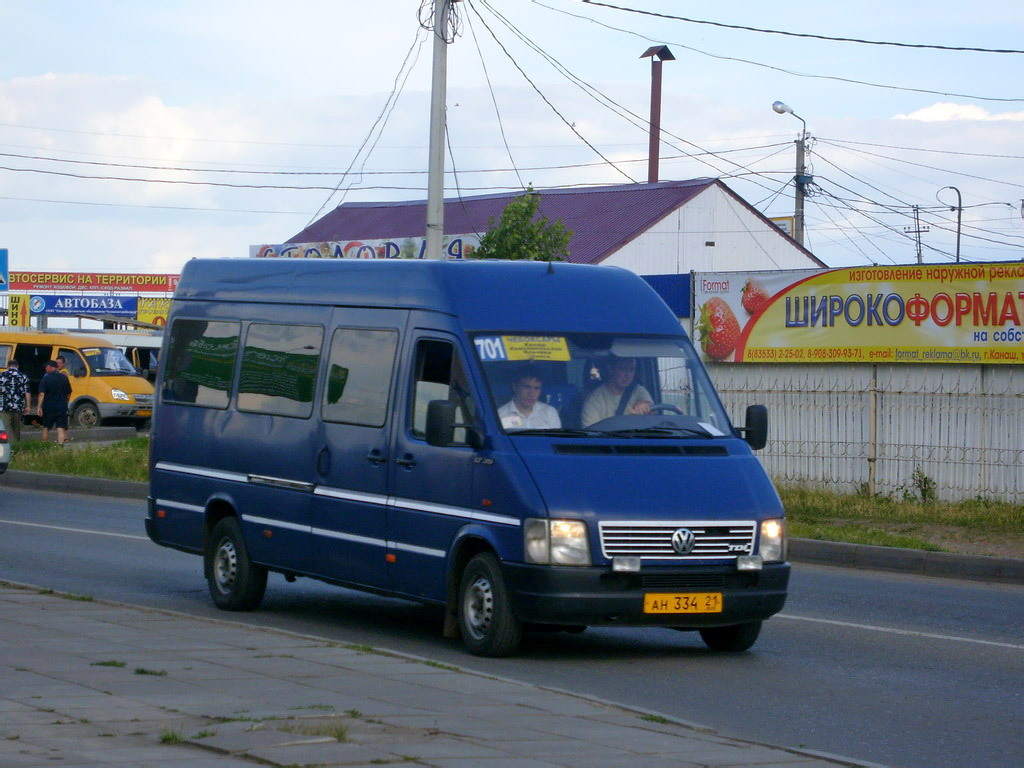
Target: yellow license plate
point(683, 602)
point(143, 413)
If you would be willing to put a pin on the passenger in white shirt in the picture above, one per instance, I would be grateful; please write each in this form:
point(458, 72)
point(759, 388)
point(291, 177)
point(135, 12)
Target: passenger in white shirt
point(524, 410)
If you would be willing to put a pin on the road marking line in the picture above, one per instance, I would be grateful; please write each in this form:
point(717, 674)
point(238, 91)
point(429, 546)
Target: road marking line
point(908, 632)
point(75, 530)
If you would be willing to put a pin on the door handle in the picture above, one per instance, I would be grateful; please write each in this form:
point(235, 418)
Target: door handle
point(376, 457)
point(323, 461)
point(406, 461)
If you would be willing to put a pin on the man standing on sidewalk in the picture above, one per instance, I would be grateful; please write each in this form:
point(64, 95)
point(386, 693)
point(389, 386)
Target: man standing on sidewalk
point(13, 399)
point(54, 393)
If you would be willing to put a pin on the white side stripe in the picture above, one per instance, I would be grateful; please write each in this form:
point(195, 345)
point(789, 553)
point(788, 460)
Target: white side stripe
point(179, 505)
point(349, 537)
point(276, 523)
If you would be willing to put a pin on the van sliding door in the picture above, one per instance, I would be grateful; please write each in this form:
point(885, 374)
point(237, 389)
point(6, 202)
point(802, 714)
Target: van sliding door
point(353, 455)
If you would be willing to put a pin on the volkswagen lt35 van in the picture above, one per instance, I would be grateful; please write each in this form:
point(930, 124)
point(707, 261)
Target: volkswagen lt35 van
point(350, 421)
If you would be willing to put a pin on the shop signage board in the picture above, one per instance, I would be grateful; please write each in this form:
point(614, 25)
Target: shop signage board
point(455, 247)
point(954, 314)
point(106, 282)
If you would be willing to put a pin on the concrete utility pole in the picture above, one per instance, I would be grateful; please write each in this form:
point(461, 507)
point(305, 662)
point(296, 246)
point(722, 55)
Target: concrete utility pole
point(658, 54)
point(435, 167)
point(917, 231)
point(801, 180)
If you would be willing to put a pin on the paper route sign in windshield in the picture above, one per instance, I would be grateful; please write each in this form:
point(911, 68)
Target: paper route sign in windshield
point(522, 348)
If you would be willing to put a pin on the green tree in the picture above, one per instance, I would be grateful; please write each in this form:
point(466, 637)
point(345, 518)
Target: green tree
point(518, 236)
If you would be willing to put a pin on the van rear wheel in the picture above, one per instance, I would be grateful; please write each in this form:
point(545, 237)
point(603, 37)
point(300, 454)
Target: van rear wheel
point(236, 584)
point(488, 625)
point(738, 637)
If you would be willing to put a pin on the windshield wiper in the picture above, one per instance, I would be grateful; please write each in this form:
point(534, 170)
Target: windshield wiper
point(662, 432)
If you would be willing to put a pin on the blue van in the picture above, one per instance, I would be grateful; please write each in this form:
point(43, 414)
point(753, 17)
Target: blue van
point(527, 445)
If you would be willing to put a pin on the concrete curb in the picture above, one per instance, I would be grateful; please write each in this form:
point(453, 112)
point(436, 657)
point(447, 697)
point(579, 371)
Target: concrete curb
point(864, 556)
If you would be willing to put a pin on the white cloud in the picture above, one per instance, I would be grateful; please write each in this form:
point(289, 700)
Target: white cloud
point(943, 112)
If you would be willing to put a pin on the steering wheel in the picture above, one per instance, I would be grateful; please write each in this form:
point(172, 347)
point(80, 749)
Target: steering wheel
point(661, 407)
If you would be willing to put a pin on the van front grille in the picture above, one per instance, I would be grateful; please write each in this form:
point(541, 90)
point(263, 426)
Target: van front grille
point(719, 539)
point(144, 399)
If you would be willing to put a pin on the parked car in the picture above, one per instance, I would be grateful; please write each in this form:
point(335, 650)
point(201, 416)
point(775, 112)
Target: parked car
point(5, 451)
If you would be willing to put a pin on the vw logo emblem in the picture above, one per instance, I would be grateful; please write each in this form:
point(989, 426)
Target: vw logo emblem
point(683, 541)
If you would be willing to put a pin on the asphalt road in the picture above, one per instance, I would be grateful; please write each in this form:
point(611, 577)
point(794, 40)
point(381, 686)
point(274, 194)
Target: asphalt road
point(899, 670)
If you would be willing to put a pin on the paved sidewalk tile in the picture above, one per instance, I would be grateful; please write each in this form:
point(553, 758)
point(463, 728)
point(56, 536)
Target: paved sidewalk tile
point(85, 684)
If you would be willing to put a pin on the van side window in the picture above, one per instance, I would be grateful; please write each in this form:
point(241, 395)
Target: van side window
point(279, 368)
point(73, 362)
point(5, 354)
point(359, 376)
point(201, 362)
point(440, 376)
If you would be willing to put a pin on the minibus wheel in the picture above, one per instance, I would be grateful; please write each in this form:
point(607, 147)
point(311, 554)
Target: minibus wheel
point(489, 627)
point(738, 637)
point(236, 584)
point(86, 415)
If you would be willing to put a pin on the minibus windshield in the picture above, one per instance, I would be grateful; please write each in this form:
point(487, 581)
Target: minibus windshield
point(108, 361)
point(589, 384)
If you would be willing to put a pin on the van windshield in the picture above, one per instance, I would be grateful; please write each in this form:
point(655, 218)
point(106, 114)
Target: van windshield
point(108, 361)
point(588, 384)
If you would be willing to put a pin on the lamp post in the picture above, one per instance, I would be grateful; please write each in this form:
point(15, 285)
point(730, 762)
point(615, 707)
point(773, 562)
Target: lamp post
point(801, 179)
point(959, 213)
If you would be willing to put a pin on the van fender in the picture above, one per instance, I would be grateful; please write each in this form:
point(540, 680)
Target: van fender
point(469, 541)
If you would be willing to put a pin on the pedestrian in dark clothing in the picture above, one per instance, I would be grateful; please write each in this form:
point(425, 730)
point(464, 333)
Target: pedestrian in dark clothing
point(13, 399)
point(54, 394)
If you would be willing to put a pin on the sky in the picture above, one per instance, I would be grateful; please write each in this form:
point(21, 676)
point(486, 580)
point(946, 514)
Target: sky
point(137, 135)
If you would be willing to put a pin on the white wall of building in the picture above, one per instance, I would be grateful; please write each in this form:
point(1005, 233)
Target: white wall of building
point(679, 242)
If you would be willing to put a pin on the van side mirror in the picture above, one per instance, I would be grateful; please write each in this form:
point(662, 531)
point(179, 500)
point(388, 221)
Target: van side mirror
point(756, 430)
point(441, 425)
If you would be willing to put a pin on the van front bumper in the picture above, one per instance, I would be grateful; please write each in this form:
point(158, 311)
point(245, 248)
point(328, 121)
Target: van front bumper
point(598, 596)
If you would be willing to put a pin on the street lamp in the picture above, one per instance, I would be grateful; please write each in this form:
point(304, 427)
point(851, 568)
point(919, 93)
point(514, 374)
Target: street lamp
point(959, 213)
point(801, 179)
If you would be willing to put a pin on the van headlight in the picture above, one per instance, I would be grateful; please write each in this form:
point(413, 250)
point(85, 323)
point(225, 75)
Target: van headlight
point(119, 394)
point(773, 540)
point(556, 542)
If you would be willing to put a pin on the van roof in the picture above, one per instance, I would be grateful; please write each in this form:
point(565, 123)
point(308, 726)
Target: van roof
point(484, 295)
point(52, 336)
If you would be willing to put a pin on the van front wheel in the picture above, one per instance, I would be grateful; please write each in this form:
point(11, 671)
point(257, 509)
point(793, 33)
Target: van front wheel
point(489, 628)
point(236, 584)
point(86, 415)
point(738, 637)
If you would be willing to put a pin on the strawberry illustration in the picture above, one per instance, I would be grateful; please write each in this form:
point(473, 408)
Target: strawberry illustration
point(755, 298)
point(719, 329)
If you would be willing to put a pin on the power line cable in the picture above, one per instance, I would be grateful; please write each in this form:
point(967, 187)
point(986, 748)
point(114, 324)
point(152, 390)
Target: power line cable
point(494, 101)
point(808, 35)
point(921, 149)
point(794, 73)
point(930, 167)
point(605, 100)
point(417, 44)
point(554, 109)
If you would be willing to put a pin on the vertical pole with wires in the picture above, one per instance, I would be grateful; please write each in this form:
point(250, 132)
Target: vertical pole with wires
point(435, 167)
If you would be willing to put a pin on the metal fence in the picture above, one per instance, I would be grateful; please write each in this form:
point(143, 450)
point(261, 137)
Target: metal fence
point(871, 427)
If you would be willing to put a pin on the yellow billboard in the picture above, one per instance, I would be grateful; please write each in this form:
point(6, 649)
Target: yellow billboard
point(957, 313)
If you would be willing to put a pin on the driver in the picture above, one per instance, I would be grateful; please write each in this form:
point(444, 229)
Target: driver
point(620, 394)
point(524, 410)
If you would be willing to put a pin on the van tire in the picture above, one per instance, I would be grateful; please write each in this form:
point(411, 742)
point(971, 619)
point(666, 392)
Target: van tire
point(236, 584)
point(738, 637)
point(488, 625)
point(86, 415)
